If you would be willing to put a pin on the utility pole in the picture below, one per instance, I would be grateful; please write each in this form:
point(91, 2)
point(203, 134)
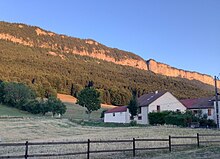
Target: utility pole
point(216, 100)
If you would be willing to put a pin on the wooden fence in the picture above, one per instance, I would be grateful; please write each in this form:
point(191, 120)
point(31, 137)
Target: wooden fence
point(133, 142)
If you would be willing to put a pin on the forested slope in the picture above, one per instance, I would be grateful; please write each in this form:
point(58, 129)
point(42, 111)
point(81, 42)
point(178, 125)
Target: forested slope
point(41, 68)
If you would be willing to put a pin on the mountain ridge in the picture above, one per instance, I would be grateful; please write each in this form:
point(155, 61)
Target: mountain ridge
point(34, 36)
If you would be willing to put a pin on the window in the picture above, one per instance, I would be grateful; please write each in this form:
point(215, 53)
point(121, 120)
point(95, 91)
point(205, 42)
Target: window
point(139, 117)
point(139, 110)
point(113, 114)
point(158, 108)
point(177, 110)
point(209, 112)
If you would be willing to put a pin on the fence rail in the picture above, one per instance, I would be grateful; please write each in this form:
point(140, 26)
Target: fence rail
point(89, 144)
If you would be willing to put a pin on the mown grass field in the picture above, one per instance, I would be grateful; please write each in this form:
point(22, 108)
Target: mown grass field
point(48, 129)
point(37, 128)
point(75, 111)
point(9, 111)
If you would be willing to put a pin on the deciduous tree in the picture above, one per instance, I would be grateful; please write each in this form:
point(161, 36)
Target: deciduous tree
point(90, 99)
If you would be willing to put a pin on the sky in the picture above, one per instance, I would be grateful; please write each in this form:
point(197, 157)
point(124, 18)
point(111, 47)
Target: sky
point(182, 33)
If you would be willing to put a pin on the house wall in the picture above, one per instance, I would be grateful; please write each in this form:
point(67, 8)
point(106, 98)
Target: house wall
point(167, 102)
point(144, 116)
point(120, 117)
point(205, 111)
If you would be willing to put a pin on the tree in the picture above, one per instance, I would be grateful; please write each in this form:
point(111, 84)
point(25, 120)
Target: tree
point(32, 106)
point(16, 94)
point(55, 106)
point(90, 84)
point(133, 107)
point(2, 92)
point(90, 99)
point(115, 96)
point(75, 89)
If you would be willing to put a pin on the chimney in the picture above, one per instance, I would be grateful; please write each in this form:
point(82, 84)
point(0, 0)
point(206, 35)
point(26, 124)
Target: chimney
point(156, 92)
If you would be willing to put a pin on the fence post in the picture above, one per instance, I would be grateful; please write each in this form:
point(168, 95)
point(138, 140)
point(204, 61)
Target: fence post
point(26, 150)
point(170, 143)
point(198, 140)
point(133, 147)
point(88, 148)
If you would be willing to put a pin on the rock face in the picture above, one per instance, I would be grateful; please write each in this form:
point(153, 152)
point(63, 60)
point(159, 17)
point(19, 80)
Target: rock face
point(37, 37)
point(164, 69)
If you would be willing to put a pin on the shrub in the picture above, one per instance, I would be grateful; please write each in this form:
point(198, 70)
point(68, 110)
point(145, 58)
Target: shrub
point(133, 123)
point(158, 117)
point(176, 119)
point(17, 94)
point(32, 106)
point(55, 106)
point(103, 114)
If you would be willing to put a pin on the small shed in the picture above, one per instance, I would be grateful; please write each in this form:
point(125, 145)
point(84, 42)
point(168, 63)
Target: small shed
point(117, 115)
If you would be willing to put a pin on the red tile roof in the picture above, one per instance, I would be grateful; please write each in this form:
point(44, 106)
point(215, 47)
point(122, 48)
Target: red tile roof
point(198, 103)
point(117, 109)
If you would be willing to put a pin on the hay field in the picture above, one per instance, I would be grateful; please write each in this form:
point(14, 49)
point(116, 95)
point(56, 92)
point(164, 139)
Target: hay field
point(47, 129)
point(44, 128)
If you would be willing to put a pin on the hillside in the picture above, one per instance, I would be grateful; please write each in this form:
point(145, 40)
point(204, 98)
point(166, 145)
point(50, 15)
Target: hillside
point(36, 37)
point(6, 111)
point(72, 100)
point(44, 61)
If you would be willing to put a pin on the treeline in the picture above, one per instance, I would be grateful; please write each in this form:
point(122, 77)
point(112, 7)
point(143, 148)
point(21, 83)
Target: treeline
point(22, 97)
point(47, 74)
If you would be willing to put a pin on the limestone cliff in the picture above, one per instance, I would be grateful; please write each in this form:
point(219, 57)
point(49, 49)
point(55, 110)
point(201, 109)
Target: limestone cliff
point(37, 37)
point(164, 69)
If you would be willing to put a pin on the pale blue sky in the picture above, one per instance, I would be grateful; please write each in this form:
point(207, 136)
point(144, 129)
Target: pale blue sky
point(182, 33)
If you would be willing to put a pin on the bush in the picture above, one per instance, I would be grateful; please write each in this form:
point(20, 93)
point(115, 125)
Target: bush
point(55, 106)
point(17, 94)
point(32, 106)
point(211, 123)
point(172, 118)
point(176, 119)
point(133, 123)
point(158, 117)
point(103, 114)
point(207, 123)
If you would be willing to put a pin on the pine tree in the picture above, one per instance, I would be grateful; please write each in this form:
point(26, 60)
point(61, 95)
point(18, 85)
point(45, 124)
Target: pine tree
point(133, 107)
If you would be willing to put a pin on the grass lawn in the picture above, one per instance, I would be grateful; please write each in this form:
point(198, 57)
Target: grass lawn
point(9, 111)
point(76, 112)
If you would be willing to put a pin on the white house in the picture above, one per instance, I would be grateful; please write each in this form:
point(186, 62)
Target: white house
point(202, 106)
point(157, 102)
point(152, 102)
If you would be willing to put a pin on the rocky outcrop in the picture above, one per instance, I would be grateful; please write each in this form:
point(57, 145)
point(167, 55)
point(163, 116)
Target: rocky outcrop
point(164, 69)
point(85, 48)
point(99, 54)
